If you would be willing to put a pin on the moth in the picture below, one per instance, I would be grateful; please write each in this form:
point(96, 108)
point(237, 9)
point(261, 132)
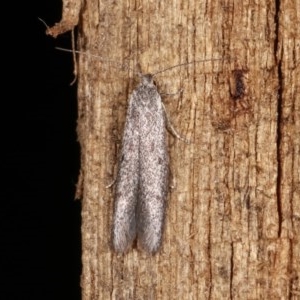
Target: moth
point(143, 175)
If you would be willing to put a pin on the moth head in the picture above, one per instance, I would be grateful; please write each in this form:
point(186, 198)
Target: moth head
point(147, 79)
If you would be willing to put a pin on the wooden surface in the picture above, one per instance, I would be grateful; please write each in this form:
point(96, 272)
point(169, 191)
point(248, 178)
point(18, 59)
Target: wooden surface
point(233, 218)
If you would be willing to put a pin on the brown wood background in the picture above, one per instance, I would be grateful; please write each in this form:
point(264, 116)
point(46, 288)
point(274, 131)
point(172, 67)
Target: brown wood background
point(233, 219)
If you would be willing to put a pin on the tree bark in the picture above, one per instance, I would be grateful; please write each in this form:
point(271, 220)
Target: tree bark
point(233, 217)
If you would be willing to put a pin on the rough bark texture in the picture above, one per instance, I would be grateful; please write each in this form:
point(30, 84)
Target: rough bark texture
point(233, 218)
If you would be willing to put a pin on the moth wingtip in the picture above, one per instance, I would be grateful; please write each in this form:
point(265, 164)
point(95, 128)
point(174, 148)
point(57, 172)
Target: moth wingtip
point(120, 248)
point(150, 245)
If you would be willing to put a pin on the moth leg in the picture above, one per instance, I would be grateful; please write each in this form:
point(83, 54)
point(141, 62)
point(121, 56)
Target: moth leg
point(111, 184)
point(115, 176)
point(172, 129)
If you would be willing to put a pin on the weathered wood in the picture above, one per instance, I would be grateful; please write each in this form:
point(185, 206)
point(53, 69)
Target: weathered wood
point(233, 218)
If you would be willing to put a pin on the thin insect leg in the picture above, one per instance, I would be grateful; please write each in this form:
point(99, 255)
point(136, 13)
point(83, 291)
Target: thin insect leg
point(172, 129)
point(115, 177)
point(111, 184)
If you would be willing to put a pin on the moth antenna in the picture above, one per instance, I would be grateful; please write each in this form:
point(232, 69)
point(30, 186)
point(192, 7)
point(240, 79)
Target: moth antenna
point(117, 65)
point(188, 63)
point(75, 71)
point(40, 19)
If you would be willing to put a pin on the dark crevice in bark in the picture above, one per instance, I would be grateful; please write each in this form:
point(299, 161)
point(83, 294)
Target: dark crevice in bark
point(279, 112)
point(231, 270)
point(209, 252)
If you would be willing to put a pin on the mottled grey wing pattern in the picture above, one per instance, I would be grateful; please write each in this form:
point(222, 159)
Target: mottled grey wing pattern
point(124, 223)
point(142, 181)
point(154, 168)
